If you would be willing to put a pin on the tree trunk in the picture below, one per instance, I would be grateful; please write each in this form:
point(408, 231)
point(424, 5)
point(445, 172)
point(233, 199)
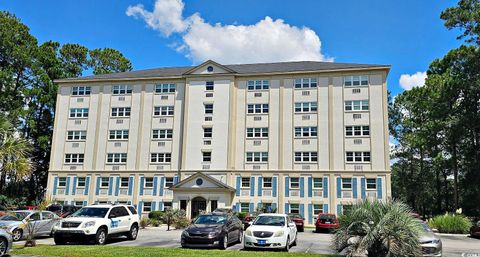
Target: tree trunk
point(455, 176)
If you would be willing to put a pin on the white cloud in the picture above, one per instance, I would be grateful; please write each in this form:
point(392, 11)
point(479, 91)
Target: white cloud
point(408, 81)
point(266, 41)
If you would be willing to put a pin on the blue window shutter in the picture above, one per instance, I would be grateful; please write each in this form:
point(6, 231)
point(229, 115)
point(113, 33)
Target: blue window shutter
point(155, 183)
point(87, 186)
point(154, 206)
point(85, 203)
point(175, 180)
point(237, 206)
point(260, 182)
point(252, 186)
point(339, 187)
point(274, 187)
point(97, 189)
point(274, 208)
point(310, 186)
point(67, 187)
point(130, 186)
point(379, 188)
point(162, 184)
point(310, 213)
point(160, 206)
point(287, 186)
point(238, 186)
point(142, 180)
point(339, 209)
point(355, 193)
point(362, 188)
point(117, 186)
point(260, 205)
point(251, 207)
point(325, 208)
point(110, 186)
point(55, 184)
point(74, 185)
point(302, 210)
point(302, 187)
point(287, 208)
point(325, 187)
point(140, 208)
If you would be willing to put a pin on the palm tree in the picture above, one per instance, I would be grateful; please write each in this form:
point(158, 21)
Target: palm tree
point(14, 162)
point(375, 228)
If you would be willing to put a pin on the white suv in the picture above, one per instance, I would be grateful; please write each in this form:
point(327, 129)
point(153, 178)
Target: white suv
point(96, 223)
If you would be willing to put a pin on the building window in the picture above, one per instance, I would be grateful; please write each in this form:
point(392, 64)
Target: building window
point(167, 205)
point(245, 182)
point(346, 183)
point(121, 89)
point(147, 206)
point(165, 88)
point(294, 208)
point(121, 112)
point(294, 183)
point(81, 182)
point(209, 86)
point(306, 156)
point(160, 157)
point(124, 182)
point(267, 182)
point(79, 113)
point(116, 158)
point(168, 182)
point(74, 158)
point(257, 108)
point(148, 182)
point(305, 131)
point(244, 207)
point(163, 111)
point(304, 107)
point(62, 181)
point(317, 183)
point(118, 134)
point(317, 209)
point(351, 131)
point(104, 182)
point(207, 132)
point(73, 135)
point(306, 83)
point(257, 132)
point(358, 156)
point(360, 105)
point(207, 156)
point(258, 84)
point(162, 133)
point(371, 184)
point(81, 90)
point(257, 156)
point(208, 108)
point(354, 81)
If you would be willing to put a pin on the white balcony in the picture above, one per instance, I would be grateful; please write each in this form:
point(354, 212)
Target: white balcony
point(267, 192)
point(317, 193)
point(80, 191)
point(346, 194)
point(245, 192)
point(295, 193)
point(167, 193)
point(123, 191)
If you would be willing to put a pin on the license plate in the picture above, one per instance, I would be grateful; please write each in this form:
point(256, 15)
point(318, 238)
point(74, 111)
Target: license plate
point(327, 222)
point(261, 242)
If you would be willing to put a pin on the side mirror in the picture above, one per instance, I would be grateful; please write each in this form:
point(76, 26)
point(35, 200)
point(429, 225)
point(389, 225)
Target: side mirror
point(250, 222)
point(291, 225)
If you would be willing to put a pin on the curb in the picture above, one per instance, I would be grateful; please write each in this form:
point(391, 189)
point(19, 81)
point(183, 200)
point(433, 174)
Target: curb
point(457, 235)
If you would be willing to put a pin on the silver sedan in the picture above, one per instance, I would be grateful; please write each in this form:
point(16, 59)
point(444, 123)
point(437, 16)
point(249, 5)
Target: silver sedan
point(5, 242)
point(22, 223)
point(431, 243)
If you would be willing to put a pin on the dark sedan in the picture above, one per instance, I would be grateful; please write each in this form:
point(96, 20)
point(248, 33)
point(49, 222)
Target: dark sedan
point(213, 230)
point(475, 230)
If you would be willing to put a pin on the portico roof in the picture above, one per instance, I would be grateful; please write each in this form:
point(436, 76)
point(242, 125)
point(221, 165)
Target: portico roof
point(192, 183)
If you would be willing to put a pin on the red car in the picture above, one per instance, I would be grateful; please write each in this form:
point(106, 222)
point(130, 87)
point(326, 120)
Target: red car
point(298, 219)
point(250, 217)
point(326, 222)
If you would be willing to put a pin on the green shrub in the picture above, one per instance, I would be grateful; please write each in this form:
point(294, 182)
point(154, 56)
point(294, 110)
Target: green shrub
point(181, 222)
point(241, 215)
point(144, 222)
point(156, 215)
point(450, 223)
point(155, 222)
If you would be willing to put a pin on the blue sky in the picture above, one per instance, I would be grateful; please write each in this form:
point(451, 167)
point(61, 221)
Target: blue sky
point(406, 34)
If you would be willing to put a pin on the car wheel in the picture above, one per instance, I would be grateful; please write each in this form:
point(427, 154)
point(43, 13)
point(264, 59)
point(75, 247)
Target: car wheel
point(101, 236)
point(132, 235)
point(287, 245)
point(17, 234)
point(3, 246)
point(240, 236)
point(58, 240)
point(224, 243)
point(301, 229)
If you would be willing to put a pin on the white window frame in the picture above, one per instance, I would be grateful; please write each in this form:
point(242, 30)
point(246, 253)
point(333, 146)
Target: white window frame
point(257, 132)
point(266, 181)
point(245, 182)
point(321, 183)
point(306, 107)
point(124, 180)
point(244, 207)
point(76, 135)
point(311, 132)
point(121, 89)
point(209, 85)
point(169, 182)
point(368, 182)
point(104, 182)
point(358, 157)
point(81, 90)
point(118, 134)
point(258, 85)
point(306, 156)
point(147, 206)
point(160, 157)
point(295, 208)
point(74, 158)
point(120, 112)
point(317, 209)
point(208, 108)
point(207, 132)
point(306, 83)
point(344, 181)
point(62, 182)
point(206, 156)
point(78, 113)
point(256, 157)
point(81, 181)
point(168, 110)
point(165, 88)
point(297, 182)
point(357, 105)
point(257, 108)
point(356, 81)
point(162, 134)
point(113, 158)
point(148, 182)
point(357, 131)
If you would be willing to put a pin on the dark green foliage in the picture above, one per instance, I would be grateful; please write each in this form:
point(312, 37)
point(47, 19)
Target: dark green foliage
point(450, 223)
point(156, 215)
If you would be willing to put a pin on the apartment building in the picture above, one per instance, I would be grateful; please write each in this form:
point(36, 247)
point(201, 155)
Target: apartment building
point(291, 137)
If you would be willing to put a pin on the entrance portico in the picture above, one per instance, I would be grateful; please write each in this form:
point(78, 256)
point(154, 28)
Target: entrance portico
point(201, 193)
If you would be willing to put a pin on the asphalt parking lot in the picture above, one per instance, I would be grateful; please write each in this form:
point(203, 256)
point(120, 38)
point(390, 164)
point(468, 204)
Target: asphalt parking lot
point(308, 242)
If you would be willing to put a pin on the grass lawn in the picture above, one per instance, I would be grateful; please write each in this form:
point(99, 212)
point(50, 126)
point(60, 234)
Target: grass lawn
point(141, 251)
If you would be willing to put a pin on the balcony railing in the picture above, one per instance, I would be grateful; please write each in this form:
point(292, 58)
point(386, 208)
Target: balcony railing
point(346, 194)
point(267, 192)
point(317, 193)
point(295, 193)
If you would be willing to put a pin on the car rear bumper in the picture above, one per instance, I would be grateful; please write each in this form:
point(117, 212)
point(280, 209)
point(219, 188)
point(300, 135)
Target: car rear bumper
point(270, 242)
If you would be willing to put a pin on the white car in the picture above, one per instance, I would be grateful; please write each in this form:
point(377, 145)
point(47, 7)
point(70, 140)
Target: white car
point(275, 231)
point(96, 223)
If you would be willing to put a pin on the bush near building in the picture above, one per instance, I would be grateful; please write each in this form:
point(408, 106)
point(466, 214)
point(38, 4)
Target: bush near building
point(450, 223)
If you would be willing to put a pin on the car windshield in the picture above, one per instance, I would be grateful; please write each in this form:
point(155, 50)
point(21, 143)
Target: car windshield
point(211, 219)
point(294, 216)
point(91, 212)
point(425, 227)
point(270, 221)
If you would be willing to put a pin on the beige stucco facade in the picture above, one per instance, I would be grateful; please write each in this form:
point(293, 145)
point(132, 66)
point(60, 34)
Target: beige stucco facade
point(327, 183)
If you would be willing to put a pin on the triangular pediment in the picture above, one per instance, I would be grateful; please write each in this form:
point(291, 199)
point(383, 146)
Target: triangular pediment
point(201, 181)
point(209, 67)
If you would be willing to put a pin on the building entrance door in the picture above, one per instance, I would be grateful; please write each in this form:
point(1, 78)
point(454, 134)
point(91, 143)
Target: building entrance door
point(199, 204)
